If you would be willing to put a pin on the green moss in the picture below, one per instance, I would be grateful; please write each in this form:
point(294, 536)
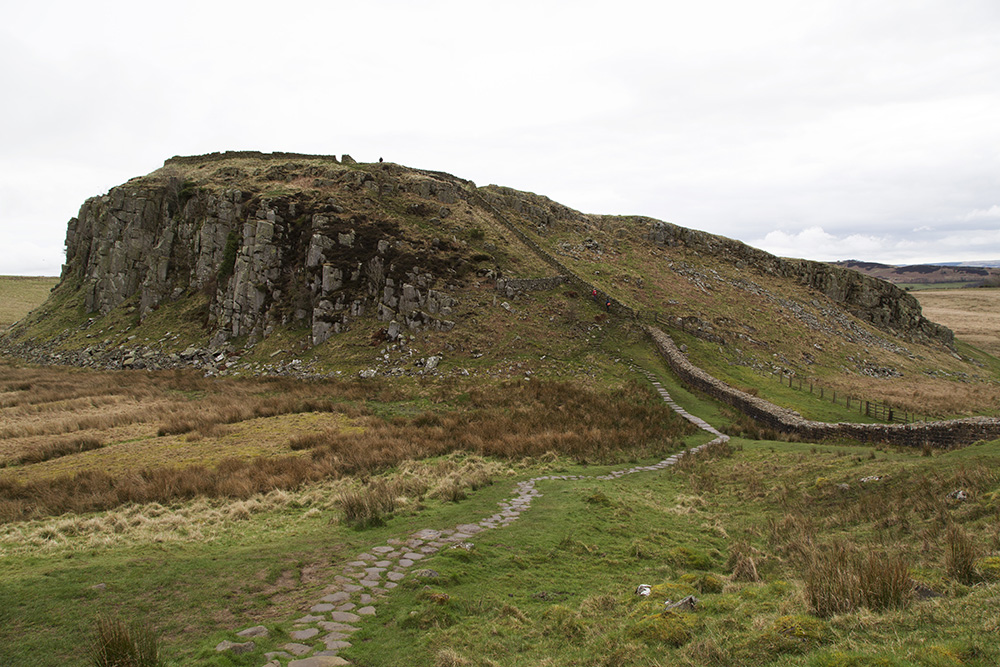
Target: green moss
point(689, 558)
point(669, 627)
point(989, 568)
point(229, 257)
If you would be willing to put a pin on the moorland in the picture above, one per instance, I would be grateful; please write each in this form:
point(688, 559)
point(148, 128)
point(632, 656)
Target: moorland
point(217, 483)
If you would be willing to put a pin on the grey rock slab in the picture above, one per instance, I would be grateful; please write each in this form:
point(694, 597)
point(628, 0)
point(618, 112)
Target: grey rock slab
point(395, 576)
point(302, 635)
point(413, 556)
point(309, 619)
point(297, 649)
point(255, 631)
point(344, 617)
point(383, 563)
point(334, 646)
point(426, 534)
point(336, 597)
point(347, 606)
point(276, 654)
point(335, 626)
point(319, 661)
point(382, 550)
point(366, 611)
point(234, 647)
point(321, 608)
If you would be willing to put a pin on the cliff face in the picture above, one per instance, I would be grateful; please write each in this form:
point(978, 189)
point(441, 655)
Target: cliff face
point(265, 257)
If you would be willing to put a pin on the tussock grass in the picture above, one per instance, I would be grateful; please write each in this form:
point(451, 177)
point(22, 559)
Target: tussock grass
point(117, 643)
point(54, 450)
point(839, 579)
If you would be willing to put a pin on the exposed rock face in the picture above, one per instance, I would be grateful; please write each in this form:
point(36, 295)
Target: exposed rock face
point(263, 260)
point(875, 301)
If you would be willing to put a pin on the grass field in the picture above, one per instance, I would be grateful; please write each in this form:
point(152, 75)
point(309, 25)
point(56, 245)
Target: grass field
point(200, 506)
point(973, 314)
point(19, 295)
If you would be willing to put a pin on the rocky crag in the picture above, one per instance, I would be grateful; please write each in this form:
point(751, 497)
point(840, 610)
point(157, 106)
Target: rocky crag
point(321, 244)
point(265, 257)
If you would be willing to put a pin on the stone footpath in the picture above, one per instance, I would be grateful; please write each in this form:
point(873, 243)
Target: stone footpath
point(325, 630)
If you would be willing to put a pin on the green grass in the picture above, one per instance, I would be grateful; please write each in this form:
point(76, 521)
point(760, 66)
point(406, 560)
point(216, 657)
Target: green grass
point(557, 587)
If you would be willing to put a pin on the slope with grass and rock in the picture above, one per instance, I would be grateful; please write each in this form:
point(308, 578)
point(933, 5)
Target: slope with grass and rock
point(253, 263)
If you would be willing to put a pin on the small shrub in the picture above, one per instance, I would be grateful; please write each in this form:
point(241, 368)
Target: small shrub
point(120, 644)
point(840, 580)
point(562, 621)
point(598, 498)
point(742, 563)
point(370, 506)
point(960, 555)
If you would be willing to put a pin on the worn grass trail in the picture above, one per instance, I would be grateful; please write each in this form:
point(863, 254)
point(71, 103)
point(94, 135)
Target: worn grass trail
point(318, 636)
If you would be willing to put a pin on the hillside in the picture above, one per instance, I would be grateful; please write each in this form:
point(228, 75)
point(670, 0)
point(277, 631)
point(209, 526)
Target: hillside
point(243, 263)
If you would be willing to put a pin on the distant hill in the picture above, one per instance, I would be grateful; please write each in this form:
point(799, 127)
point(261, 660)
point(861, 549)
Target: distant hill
point(973, 274)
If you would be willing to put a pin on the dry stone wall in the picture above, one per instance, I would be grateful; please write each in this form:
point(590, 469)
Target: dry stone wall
point(943, 434)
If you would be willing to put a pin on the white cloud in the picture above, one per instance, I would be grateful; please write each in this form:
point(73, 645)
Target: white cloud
point(873, 123)
point(991, 213)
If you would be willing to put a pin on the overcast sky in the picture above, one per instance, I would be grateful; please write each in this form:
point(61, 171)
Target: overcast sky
point(818, 129)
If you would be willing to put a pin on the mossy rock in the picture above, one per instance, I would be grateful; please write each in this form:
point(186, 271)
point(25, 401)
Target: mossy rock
point(689, 559)
point(668, 627)
point(801, 626)
point(989, 568)
point(794, 634)
point(671, 591)
point(705, 582)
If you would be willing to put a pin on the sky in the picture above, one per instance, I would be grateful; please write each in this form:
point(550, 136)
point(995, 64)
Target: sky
point(827, 129)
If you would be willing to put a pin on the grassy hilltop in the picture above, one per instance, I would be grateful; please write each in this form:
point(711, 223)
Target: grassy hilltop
point(274, 426)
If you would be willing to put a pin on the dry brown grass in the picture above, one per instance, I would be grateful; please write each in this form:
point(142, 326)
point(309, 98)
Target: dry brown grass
point(19, 295)
point(925, 396)
point(233, 439)
point(973, 314)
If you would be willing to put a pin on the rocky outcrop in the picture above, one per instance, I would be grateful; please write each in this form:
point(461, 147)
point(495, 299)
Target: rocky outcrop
point(875, 301)
point(300, 258)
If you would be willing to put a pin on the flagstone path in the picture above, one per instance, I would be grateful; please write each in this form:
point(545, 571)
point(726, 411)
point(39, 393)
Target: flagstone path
point(326, 627)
